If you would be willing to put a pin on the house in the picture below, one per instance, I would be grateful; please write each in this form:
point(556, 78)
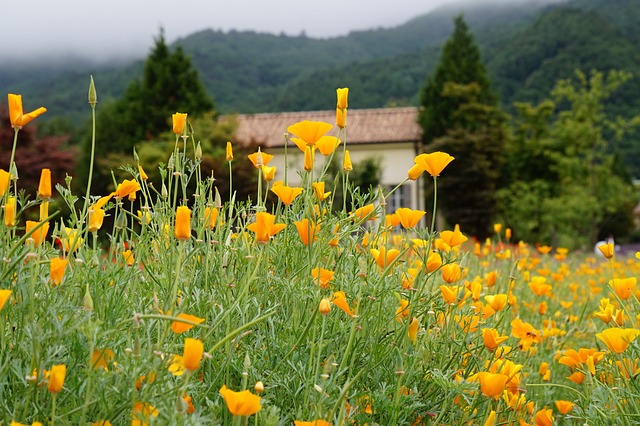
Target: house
point(390, 134)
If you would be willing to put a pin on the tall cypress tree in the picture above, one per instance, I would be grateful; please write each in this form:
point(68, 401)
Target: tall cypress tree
point(460, 63)
point(460, 115)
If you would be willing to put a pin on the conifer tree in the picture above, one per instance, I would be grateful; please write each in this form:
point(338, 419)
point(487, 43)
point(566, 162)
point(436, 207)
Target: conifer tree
point(460, 115)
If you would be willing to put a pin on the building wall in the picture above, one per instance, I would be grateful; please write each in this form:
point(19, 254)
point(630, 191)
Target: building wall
point(395, 160)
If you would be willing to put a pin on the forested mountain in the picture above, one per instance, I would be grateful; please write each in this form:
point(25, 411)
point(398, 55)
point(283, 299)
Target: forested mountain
point(248, 71)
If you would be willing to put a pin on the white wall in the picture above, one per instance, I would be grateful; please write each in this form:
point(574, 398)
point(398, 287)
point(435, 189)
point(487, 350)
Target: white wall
point(396, 159)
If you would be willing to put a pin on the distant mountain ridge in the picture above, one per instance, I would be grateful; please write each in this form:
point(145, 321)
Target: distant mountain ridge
point(526, 47)
point(246, 71)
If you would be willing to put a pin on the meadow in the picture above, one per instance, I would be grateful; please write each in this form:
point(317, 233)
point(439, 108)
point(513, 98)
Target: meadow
point(193, 310)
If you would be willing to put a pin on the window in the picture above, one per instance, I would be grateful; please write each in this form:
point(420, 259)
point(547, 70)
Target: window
point(401, 197)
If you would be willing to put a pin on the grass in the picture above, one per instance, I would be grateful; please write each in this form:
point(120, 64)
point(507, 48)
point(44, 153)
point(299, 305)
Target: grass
point(116, 318)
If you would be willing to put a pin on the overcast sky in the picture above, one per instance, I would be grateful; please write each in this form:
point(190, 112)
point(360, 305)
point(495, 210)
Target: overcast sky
point(109, 28)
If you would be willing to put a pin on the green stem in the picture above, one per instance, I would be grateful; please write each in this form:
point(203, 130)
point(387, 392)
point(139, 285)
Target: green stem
point(13, 148)
point(93, 152)
point(53, 409)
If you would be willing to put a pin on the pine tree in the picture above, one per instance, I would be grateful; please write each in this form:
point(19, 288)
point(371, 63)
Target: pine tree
point(460, 116)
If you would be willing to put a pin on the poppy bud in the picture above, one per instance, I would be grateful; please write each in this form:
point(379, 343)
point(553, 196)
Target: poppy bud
point(229, 153)
point(10, 212)
point(346, 164)
point(325, 306)
point(44, 188)
point(93, 95)
point(308, 159)
point(182, 230)
point(179, 120)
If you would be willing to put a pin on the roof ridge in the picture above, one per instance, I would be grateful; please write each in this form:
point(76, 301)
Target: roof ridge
point(328, 111)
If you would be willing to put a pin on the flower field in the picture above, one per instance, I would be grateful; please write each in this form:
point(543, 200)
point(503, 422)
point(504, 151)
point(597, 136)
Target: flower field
point(191, 309)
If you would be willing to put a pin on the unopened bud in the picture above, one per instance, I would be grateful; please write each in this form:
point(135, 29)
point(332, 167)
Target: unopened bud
point(217, 200)
point(87, 301)
point(325, 306)
point(198, 153)
point(93, 95)
point(259, 387)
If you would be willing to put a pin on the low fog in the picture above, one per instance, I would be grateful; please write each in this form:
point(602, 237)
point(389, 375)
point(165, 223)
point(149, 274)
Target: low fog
point(121, 29)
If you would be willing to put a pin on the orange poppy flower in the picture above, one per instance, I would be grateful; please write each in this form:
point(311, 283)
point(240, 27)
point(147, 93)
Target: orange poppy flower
point(56, 270)
point(402, 312)
point(341, 118)
point(5, 178)
point(496, 301)
point(55, 378)
point(343, 98)
point(618, 339)
point(327, 144)
point(451, 272)
point(10, 212)
point(180, 327)
point(229, 152)
point(40, 234)
point(408, 217)
point(126, 188)
point(544, 417)
point(383, 257)
point(182, 227)
point(128, 257)
point(307, 231)
point(340, 300)
point(309, 131)
point(607, 250)
point(240, 403)
point(318, 190)
point(265, 227)
point(434, 163)
point(313, 423)
point(322, 276)
point(453, 238)
point(434, 261)
point(412, 331)
point(211, 217)
point(179, 120)
point(564, 406)
point(365, 212)
point(346, 162)
point(259, 159)
point(415, 172)
point(624, 287)
point(268, 173)
point(192, 355)
point(286, 194)
point(101, 358)
point(4, 296)
point(325, 306)
point(309, 158)
point(44, 187)
point(16, 114)
point(492, 339)
point(492, 385)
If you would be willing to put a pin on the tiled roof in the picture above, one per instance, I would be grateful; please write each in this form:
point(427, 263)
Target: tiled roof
point(364, 126)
